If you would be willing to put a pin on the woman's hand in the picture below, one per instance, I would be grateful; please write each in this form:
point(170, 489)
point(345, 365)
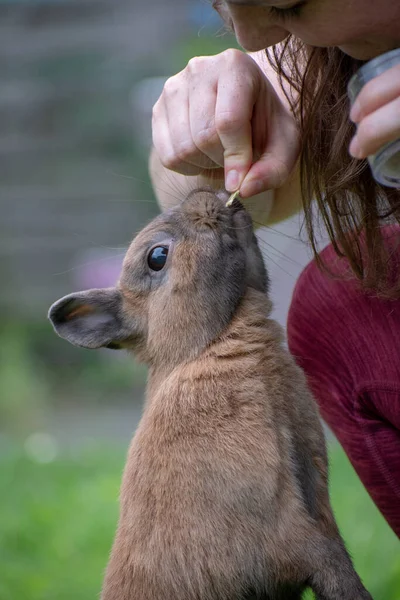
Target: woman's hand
point(222, 113)
point(376, 112)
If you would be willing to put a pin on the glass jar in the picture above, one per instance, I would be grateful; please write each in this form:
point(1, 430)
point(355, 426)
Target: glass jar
point(385, 163)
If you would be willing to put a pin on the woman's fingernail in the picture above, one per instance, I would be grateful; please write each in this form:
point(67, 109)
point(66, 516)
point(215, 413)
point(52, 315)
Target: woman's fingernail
point(355, 149)
point(232, 181)
point(355, 112)
point(251, 188)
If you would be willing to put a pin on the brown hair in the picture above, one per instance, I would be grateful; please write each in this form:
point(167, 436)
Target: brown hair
point(350, 203)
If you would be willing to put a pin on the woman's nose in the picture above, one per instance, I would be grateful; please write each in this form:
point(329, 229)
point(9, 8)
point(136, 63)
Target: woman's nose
point(254, 28)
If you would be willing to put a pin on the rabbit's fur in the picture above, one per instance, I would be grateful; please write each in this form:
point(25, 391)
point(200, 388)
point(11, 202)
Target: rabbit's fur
point(224, 494)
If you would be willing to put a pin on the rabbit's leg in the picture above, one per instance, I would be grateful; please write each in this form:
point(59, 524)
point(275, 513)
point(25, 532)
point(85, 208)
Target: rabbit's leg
point(333, 575)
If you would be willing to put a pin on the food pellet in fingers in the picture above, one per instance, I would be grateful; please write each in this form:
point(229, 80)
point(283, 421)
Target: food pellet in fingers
point(232, 198)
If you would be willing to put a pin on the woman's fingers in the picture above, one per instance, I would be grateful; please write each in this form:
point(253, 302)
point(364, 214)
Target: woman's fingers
point(202, 114)
point(172, 137)
point(186, 158)
point(203, 117)
point(377, 114)
point(377, 129)
point(278, 144)
point(376, 93)
point(162, 140)
point(221, 111)
point(237, 91)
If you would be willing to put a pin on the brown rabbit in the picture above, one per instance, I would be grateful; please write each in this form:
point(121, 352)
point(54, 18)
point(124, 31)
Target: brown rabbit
point(224, 495)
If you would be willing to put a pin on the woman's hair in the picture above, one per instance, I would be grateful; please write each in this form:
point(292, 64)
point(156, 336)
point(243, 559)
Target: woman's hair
point(351, 204)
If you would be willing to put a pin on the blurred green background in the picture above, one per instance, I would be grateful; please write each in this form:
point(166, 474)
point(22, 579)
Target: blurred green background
point(78, 81)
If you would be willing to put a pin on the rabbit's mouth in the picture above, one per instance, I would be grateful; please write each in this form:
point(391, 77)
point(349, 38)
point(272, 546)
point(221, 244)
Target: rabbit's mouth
point(225, 197)
point(206, 209)
point(222, 195)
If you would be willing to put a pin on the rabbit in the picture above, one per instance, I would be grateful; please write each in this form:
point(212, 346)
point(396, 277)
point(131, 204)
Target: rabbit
point(225, 491)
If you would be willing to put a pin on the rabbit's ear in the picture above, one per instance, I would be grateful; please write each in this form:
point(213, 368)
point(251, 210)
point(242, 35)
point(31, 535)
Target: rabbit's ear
point(90, 319)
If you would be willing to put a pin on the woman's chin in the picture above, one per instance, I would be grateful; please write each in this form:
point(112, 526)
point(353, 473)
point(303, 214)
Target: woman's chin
point(364, 51)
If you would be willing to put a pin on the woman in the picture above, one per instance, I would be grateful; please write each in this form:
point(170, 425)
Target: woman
point(276, 125)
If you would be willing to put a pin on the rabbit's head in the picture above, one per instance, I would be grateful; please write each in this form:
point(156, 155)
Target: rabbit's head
point(182, 280)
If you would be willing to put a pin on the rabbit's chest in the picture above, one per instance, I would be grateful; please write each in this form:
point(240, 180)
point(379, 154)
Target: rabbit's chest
point(224, 467)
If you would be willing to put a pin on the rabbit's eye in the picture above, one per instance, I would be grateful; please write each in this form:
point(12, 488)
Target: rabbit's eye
point(157, 258)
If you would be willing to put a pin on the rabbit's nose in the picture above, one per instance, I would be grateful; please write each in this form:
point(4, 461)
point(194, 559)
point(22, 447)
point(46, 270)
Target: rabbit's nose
point(223, 195)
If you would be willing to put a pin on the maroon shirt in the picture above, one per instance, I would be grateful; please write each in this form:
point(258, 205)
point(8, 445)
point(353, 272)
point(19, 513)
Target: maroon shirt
point(348, 343)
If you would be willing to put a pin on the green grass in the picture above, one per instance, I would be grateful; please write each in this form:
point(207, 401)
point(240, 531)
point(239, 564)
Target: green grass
point(57, 522)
